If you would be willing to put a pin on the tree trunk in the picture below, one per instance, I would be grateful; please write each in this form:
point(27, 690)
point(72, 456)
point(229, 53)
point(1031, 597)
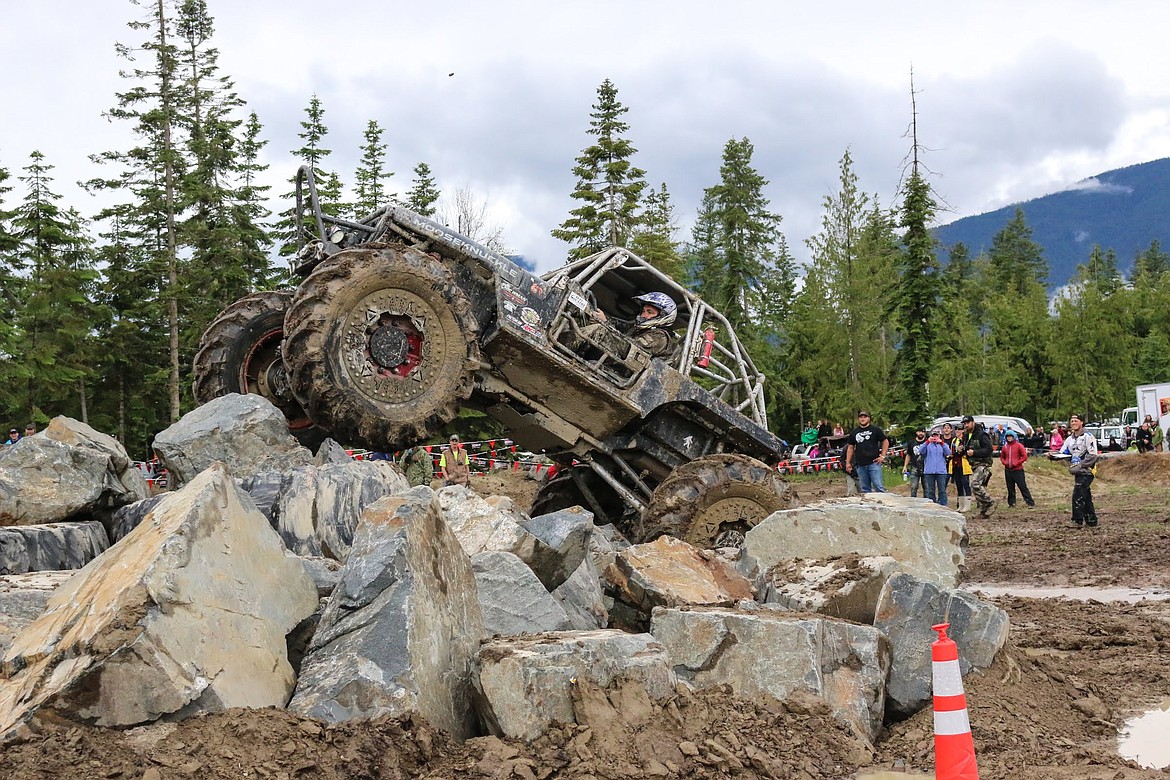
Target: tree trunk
point(84, 403)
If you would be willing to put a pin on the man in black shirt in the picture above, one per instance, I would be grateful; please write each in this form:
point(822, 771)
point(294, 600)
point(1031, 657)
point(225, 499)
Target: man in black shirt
point(866, 451)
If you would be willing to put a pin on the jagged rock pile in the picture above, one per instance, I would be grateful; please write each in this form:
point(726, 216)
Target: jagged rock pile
point(332, 588)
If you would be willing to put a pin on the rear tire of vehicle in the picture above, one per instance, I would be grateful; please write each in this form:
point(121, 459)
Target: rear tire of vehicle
point(381, 346)
point(240, 352)
point(563, 491)
point(714, 498)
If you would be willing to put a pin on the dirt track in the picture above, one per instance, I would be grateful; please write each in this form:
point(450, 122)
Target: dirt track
point(1048, 709)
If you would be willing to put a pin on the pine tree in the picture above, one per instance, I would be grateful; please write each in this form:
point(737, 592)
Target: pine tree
point(58, 318)
point(1150, 265)
point(371, 174)
point(11, 301)
point(608, 185)
point(1017, 262)
point(250, 213)
point(150, 175)
point(1101, 270)
point(423, 192)
point(313, 154)
point(916, 297)
point(745, 235)
point(654, 238)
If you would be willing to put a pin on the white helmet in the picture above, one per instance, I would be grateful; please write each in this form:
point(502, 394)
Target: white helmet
point(667, 311)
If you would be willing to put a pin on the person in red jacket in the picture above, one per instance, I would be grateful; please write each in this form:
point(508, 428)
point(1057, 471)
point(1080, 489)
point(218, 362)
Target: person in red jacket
point(1013, 455)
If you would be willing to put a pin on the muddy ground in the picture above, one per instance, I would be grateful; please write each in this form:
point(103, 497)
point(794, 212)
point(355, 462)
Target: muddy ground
point(1049, 708)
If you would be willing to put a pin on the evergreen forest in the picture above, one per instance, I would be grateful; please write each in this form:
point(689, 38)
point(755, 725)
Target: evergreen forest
point(102, 312)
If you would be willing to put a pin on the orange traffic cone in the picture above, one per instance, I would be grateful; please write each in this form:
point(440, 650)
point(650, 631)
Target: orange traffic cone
point(954, 750)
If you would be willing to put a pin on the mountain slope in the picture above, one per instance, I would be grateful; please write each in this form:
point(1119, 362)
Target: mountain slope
point(1123, 209)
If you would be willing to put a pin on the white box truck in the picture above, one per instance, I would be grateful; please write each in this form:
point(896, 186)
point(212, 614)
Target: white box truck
point(1154, 400)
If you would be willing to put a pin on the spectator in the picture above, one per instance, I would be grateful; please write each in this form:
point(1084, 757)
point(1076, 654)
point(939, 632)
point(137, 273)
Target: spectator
point(824, 430)
point(1056, 440)
point(13, 436)
point(934, 453)
point(1156, 436)
point(851, 487)
point(30, 430)
point(866, 451)
point(1081, 448)
point(912, 462)
point(418, 466)
point(454, 464)
point(1144, 437)
point(838, 430)
point(960, 469)
point(1114, 445)
point(1013, 455)
point(975, 446)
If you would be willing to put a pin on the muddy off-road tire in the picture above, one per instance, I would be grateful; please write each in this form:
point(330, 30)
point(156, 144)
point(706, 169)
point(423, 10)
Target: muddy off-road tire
point(380, 344)
point(714, 499)
point(563, 491)
point(240, 352)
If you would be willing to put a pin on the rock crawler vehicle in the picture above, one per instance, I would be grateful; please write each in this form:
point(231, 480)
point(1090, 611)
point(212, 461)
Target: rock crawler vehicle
point(398, 322)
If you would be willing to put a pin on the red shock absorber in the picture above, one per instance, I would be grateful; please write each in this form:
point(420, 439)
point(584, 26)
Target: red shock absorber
point(705, 351)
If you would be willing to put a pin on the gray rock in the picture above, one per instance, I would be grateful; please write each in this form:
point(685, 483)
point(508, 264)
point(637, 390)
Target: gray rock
point(605, 543)
point(316, 509)
point(482, 526)
point(126, 640)
point(23, 598)
point(245, 432)
point(846, 587)
point(67, 471)
point(511, 598)
point(126, 519)
point(582, 598)
point(907, 609)
point(780, 655)
point(527, 684)
point(331, 452)
point(50, 547)
point(565, 536)
point(324, 572)
point(927, 540)
point(400, 632)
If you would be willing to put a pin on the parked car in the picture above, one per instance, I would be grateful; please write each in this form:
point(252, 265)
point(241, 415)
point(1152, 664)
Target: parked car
point(1103, 433)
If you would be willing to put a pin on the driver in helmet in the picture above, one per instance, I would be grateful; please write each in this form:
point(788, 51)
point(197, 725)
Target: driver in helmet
point(651, 329)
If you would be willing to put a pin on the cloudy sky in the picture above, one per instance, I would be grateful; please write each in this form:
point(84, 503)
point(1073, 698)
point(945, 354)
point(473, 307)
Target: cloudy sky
point(1015, 99)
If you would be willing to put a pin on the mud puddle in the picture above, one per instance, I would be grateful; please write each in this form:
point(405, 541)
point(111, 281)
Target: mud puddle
point(1122, 595)
point(1143, 739)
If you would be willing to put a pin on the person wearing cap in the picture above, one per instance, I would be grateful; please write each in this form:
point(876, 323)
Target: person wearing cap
point(1013, 455)
point(912, 462)
point(454, 464)
point(975, 445)
point(1081, 447)
point(13, 436)
point(866, 452)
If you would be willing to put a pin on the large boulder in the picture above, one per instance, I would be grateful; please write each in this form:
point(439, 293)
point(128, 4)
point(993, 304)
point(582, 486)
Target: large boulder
point(583, 599)
point(564, 537)
point(512, 599)
point(907, 608)
point(315, 509)
point(668, 572)
point(483, 525)
point(125, 519)
point(188, 613)
point(526, 684)
point(400, 632)
point(927, 540)
point(50, 547)
point(246, 432)
point(769, 653)
point(23, 597)
point(67, 471)
point(845, 587)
